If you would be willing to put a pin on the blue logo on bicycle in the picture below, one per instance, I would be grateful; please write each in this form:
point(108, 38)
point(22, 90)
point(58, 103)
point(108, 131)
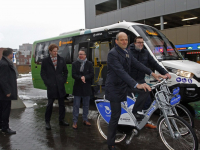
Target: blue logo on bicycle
point(175, 100)
point(184, 80)
point(176, 90)
point(107, 110)
point(150, 111)
point(178, 79)
point(190, 81)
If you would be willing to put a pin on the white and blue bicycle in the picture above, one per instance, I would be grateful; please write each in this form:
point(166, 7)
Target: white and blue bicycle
point(175, 132)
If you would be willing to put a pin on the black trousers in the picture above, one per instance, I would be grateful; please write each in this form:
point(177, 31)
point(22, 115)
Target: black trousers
point(112, 127)
point(116, 112)
point(147, 102)
point(50, 108)
point(5, 107)
point(141, 99)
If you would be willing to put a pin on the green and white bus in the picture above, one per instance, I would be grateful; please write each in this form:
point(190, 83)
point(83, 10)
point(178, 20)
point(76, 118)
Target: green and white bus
point(97, 43)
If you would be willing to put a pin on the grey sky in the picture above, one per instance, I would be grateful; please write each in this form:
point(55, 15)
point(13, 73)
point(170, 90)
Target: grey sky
point(25, 21)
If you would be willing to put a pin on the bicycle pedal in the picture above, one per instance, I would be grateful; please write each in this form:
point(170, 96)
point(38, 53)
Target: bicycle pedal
point(135, 133)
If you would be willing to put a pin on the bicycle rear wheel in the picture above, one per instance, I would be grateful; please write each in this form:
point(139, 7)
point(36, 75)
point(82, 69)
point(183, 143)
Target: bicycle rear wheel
point(103, 127)
point(181, 141)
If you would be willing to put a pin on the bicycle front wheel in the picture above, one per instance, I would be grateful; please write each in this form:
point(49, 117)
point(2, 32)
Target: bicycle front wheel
point(179, 128)
point(103, 127)
point(185, 114)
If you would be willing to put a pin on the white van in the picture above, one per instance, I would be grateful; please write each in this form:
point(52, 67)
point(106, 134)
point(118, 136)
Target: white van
point(185, 74)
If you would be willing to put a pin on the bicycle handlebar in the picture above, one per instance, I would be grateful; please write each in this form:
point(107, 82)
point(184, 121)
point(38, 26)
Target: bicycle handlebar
point(159, 83)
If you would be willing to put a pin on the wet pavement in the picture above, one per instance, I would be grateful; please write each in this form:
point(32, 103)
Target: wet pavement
point(32, 135)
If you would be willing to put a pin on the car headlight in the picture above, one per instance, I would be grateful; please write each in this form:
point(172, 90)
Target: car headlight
point(181, 73)
point(185, 74)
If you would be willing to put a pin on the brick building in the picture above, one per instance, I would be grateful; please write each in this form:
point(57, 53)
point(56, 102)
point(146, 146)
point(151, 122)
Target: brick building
point(23, 56)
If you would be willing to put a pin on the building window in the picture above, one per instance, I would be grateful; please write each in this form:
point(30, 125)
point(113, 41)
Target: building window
point(106, 7)
point(126, 3)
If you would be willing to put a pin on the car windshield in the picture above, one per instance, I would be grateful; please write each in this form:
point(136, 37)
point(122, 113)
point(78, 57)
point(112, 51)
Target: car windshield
point(161, 47)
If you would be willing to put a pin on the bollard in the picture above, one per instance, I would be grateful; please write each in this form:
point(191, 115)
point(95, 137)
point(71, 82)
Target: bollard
point(16, 104)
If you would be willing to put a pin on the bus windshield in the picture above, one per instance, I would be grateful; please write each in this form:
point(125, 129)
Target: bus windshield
point(161, 47)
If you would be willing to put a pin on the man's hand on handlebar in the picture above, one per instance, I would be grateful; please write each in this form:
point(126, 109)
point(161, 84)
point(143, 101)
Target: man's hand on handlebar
point(168, 75)
point(144, 86)
point(157, 76)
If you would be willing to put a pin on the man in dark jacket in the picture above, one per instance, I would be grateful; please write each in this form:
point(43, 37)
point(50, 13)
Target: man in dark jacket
point(8, 89)
point(119, 66)
point(83, 73)
point(143, 56)
point(54, 74)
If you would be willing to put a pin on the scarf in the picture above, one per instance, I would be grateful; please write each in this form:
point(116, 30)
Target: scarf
point(12, 65)
point(54, 61)
point(82, 63)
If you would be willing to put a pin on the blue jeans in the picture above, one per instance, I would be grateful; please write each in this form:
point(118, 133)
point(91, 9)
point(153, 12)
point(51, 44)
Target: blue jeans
point(76, 106)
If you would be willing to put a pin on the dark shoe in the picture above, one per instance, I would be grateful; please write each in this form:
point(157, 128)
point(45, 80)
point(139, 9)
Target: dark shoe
point(63, 123)
point(87, 123)
point(48, 126)
point(8, 131)
point(74, 126)
point(111, 148)
point(138, 116)
point(0, 127)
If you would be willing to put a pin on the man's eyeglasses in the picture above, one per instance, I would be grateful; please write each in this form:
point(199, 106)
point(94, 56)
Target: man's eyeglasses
point(81, 54)
point(140, 42)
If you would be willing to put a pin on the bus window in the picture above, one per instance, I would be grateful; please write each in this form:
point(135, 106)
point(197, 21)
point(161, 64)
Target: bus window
point(39, 52)
point(55, 42)
point(46, 51)
point(79, 42)
point(75, 52)
point(42, 51)
point(65, 49)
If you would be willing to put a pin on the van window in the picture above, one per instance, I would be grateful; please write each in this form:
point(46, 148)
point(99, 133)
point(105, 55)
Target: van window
point(158, 43)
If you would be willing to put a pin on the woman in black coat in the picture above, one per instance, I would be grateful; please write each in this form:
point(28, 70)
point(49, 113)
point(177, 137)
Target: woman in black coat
point(83, 73)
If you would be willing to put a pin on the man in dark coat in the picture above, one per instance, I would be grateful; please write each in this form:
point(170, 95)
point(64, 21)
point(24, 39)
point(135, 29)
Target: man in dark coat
point(143, 56)
point(83, 73)
point(119, 66)
point(54, 74)
point(8, 89)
